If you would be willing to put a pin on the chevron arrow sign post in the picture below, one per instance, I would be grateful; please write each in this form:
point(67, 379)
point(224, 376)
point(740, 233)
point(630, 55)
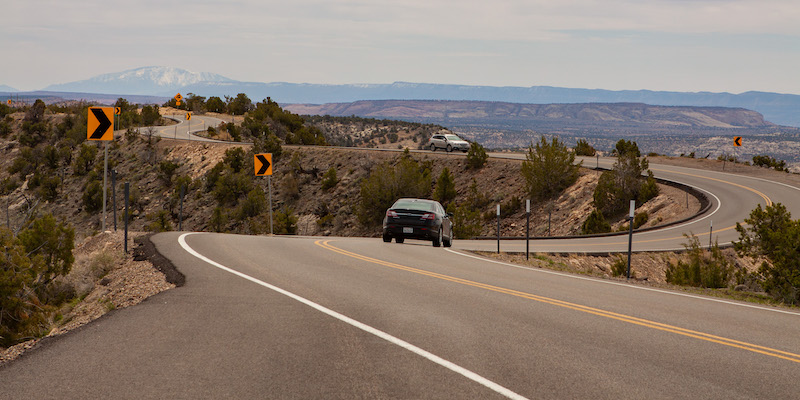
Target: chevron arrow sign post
point(263, 167)
point(100, 126)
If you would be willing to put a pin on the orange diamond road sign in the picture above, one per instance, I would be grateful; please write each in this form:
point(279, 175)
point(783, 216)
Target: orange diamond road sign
point(100, 124)
point(263, 164)
point(737, 141)
point(178, 97)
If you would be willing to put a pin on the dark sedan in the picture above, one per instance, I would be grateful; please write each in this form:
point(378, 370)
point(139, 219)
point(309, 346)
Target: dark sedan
point(418, 219)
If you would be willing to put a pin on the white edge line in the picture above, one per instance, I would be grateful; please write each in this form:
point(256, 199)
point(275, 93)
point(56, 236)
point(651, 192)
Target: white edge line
point(546, 271)
point(694, 221)
point(383, 335)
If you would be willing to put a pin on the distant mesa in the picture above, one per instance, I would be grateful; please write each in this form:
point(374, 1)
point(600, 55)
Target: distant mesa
point(777, 108)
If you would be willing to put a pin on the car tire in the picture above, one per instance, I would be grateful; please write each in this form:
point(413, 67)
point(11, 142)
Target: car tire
point(433, 147)
point(447, 242)
point(399, 239)
point(437, 241)
point(386, 238)
point(449, 148)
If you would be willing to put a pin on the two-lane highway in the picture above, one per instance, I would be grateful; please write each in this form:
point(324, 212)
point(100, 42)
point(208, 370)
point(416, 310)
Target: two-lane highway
point(278, 317)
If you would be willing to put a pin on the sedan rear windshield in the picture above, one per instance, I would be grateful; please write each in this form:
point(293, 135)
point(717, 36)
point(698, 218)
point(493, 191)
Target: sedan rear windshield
point(413, 205)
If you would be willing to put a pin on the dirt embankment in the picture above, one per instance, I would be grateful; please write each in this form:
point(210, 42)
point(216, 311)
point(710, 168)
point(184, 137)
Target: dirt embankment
point(106, 279)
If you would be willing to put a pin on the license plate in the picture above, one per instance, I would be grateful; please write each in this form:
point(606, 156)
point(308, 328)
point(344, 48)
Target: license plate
point(408, 230)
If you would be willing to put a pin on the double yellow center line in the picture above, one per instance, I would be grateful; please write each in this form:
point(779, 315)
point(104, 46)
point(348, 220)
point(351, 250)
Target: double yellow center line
point(577, 307)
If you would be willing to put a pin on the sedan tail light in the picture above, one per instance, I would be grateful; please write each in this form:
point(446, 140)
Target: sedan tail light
point(391, 214)
point(430, 216)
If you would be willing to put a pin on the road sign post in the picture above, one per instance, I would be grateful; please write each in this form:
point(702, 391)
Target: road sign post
point(263, 167)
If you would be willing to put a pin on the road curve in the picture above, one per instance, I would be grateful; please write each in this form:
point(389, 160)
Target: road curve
point(732, 198)
point(293, 317)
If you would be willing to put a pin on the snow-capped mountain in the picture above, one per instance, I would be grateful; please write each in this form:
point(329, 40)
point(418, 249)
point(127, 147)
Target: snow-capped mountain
point(143, 81)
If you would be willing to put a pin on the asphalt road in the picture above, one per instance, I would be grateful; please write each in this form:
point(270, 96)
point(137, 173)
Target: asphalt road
point(185, 127)
point(290, 317)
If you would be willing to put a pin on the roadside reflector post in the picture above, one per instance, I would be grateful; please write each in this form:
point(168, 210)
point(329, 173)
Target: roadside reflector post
point(630, 235)
point(114, 195)
point(269, 183)
point(710, 232)
point(528, 229)
point(498, 229)
point(105, 183)
point(127, 191)
point(180, 213)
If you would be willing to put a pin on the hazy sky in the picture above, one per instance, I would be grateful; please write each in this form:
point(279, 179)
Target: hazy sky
point(682, 45)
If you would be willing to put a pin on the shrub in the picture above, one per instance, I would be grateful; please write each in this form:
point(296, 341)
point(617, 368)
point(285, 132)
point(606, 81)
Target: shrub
point(583, 148)
point(166, 170)
point(445, 190)
point(640, 219)
point(48, 187)
point(234, 158)
point(627, 148)
point(595, 223)
point(772, 234)
point(8, 185)
point(329, 179)
point(476, 156)
point(466, 222)
point(510, 207)
point(549, 168)
point(619, 267)
point(387, 183)
point(253, 205)
point(93, 196)
point(25, 163)
point(52, 242)
point(624, 182)
point(159, 221)
point(769, 162)
point(270, 144)
point(218, 220)
point(85, 160)
point(702, 270)
point(231, 186)
point(15, 303)
point(285, 222)
point(290, 186)
point(5, 129)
